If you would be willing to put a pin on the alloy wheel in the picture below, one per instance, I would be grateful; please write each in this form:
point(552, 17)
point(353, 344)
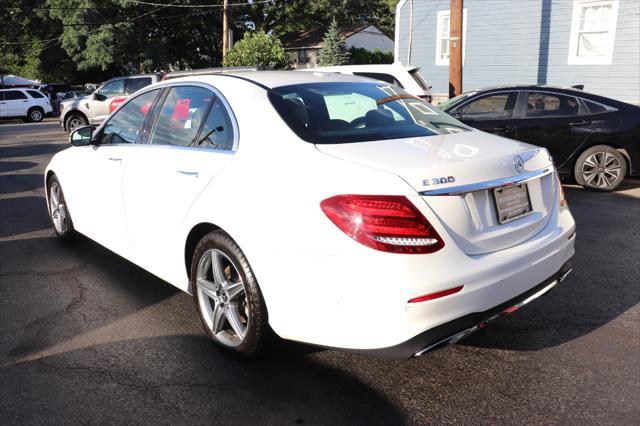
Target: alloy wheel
point(74, 123)
point(57, 208)
point(36, 115)
point(222, 298)
point(601, 170)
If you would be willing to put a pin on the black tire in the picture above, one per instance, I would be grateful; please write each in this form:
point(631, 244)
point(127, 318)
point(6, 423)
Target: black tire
point(600, 168)
point(73, 121)
point(257, 328)
point(66, 231)
point(35, 114)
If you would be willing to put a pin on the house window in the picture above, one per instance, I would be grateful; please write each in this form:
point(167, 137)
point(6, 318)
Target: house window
point(443, 27)
point(593, 32)
point(303, 56)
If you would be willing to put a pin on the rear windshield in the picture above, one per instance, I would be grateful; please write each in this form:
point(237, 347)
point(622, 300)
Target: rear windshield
point(327, 113)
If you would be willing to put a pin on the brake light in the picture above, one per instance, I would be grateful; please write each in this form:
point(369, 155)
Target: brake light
point(386, 223)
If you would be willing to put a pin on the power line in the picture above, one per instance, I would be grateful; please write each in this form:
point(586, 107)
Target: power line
point(164, 6)
point(201, 6)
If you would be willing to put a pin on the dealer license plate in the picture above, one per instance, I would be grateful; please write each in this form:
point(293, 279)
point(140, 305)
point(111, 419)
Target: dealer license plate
point(512, 202)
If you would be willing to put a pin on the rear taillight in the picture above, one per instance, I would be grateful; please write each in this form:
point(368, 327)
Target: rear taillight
point(387, 223)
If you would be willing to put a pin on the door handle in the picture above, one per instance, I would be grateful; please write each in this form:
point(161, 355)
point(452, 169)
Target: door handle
point(502, 128)
point(187, 173)
point(26, 100)
point(580, 123)
point(115, 159)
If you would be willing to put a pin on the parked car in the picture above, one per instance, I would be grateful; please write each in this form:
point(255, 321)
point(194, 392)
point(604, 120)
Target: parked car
point(28, 104)
point(594, 139)
point(406, 77)
point(94, 108)
point(328, 208)
point(76, 94)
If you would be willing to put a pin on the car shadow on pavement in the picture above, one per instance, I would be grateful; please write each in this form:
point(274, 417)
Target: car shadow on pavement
point(14, 183)
point(14, 166)
point(185, 379)
point(23, 214)
point(29, 150)
point(83, 324)
point(602, 286)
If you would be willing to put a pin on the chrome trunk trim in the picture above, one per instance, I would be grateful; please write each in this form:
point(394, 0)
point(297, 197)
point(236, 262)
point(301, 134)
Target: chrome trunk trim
point(489, 184)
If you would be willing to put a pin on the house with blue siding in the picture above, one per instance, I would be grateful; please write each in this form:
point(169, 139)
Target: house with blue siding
point(595, 43)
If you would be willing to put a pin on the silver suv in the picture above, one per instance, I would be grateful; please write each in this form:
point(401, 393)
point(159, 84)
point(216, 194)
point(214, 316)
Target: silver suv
point(94, 108)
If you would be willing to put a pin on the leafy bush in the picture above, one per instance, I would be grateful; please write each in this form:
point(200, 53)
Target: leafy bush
point(257, 50)
point(361, 56)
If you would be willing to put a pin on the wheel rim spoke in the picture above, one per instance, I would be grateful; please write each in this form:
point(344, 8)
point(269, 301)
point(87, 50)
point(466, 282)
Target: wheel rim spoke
point(233, 317)
point(208, 288)
point(234, 290)
point(218, 269)
point(218, 318)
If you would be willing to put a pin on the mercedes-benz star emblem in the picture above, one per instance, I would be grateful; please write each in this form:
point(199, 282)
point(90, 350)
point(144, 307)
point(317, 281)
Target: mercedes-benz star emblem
point(518, 162)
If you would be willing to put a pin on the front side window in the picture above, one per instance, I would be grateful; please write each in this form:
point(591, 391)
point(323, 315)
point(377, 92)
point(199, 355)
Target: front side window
point(327, 113)
point(14, 95)
point(493, 107)
point(546, 105)
point(126, 124)
point(443, 26)
point(593, 32)
point(35, 94)
point(181, 114)
point(135, 84)
point(114, 88)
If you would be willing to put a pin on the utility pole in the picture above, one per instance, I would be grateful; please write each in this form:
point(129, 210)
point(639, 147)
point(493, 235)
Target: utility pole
point(455, 48)
point(225, 30)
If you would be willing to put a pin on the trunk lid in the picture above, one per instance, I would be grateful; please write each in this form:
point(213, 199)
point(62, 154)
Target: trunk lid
point(433, 165)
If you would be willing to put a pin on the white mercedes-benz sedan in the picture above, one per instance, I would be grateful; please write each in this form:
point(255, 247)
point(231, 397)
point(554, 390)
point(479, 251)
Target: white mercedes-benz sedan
point(325, 208)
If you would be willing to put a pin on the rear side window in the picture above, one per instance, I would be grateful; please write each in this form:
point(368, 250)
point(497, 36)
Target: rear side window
point(380, 76)
point(182, 112)
point(548, 105)
point(493, 107)
point(217, 131)
point(596, 108)
point(135, 84)
point(12, 95)
point(126, 123)
point(327, 113)
point(35, 94)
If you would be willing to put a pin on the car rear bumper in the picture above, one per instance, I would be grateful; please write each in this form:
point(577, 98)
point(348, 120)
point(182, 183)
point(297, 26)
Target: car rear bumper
point(459, 328)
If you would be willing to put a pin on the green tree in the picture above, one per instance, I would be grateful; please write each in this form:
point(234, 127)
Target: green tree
point(334, 50)
point(257, 49)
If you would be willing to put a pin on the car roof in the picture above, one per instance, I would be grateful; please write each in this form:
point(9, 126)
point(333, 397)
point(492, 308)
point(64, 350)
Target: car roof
point(271, 79)
point(530, 87)
point(366, 67)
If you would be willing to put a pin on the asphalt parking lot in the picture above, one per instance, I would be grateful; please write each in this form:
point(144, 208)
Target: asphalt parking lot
point(87, 337)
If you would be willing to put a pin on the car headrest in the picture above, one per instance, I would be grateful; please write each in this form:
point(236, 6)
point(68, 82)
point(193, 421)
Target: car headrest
point(378, 118)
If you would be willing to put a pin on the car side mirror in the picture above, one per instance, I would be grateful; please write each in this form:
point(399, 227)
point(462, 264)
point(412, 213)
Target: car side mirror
point(81, 136)
point(99, 96)
point(457, 114)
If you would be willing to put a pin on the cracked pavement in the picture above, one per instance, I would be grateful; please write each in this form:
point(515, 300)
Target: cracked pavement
point(88, 337)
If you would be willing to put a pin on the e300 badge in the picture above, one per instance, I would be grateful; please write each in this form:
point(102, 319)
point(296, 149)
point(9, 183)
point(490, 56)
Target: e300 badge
point(438, 181)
